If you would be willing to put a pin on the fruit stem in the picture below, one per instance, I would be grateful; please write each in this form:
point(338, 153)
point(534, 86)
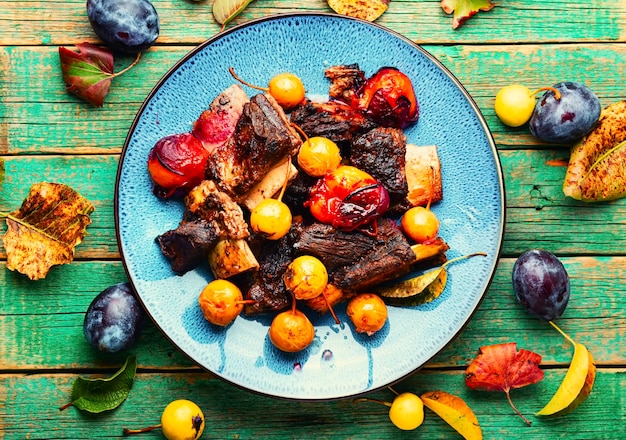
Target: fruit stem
point(133, 64)
point(127, 431)
point(367, 399)
point(562, 333)
point(300, 131)
point(394, 391)
point(66, 406)
point(463, 257)
point(557, 94)
point(508, 396)
point(330, 308)
point(232, 72)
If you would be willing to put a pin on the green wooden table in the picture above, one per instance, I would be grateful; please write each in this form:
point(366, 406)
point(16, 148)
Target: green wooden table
point(48, 135)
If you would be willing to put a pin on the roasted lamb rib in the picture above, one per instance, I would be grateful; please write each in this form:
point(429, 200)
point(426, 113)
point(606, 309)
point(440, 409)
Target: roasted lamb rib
point(262, 138)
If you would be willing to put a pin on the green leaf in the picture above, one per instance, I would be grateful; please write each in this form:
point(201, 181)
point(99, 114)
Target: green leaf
point(464, 9)
point(104, 394)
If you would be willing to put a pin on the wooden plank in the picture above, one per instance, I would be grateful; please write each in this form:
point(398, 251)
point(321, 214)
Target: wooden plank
point(44, 118)
point(43, 23)
point(46, 329)
point(31, 405)
point(538, 214)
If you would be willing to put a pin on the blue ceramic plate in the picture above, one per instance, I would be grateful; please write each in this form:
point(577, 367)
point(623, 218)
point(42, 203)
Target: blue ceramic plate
point(340, 363)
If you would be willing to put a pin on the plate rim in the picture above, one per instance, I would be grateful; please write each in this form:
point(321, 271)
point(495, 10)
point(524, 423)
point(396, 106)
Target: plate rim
point(290, 15)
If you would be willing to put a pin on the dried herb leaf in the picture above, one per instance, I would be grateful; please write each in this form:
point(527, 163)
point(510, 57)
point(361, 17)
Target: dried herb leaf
point(368, 10)
point(464, 9)
point(501, 367)
point(104, 394)
point(45, 230)
point(597, 165)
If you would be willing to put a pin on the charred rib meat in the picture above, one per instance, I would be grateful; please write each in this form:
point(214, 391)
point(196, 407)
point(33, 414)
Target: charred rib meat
point(187, 246)
point(356, 261)
point(210, 215)
point(345, 80)
point(262, 138)
point(266, 285)
point(334, 120)
point(381, 153)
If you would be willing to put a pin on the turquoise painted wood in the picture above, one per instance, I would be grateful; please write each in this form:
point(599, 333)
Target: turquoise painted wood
point(47, 134)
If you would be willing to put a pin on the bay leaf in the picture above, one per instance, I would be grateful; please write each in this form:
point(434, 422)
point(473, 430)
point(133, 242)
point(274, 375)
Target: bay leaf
point(104, 394)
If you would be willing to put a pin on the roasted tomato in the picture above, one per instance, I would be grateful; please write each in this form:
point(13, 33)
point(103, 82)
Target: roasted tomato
point(388, 99)
point(176, 164)
point(348, 198)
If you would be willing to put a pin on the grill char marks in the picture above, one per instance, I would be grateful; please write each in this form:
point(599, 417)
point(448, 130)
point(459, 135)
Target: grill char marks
point(381, 153)
point(266, 286)
point(262, 138)
point(357, 261)
point(333, 120)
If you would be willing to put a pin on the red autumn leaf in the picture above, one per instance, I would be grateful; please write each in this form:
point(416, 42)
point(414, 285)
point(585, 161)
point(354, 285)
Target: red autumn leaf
point(464, 9)
point(501, 367)
point(88, 72)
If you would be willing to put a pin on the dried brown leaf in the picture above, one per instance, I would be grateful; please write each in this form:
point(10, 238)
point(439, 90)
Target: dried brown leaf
point(44, 231)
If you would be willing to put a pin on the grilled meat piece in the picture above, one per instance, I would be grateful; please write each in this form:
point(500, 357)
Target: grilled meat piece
point(262, 138)
point(187, 246)
point(356, 261)
point(217, 123)
point(266, 285)
point(345, 80)
point(333, 120)
point(210, 215)
point(381, 153)
point(207, 202)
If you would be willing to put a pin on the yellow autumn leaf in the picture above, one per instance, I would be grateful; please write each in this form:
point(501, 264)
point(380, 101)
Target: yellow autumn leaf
point(368, 10)
point(454, 411)
point(44, 231)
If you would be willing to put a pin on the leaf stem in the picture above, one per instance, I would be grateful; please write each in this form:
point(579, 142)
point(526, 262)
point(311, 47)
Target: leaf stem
point(565, 335)
point(66, 406)
point(133, 64)
point(394, 391)
point(508, 397)
point(463, 257)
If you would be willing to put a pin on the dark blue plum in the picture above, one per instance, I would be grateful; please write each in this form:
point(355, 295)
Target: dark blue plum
point(541, 284)
point(128, 26)
point(567, 119)
point(113, 320)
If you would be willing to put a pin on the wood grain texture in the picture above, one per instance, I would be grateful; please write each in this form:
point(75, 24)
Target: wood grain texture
point(234, 414)
point(47, 134)
point(46, 328)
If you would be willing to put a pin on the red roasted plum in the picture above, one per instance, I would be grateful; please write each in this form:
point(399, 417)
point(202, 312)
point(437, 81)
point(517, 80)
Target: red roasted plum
point(176, 164)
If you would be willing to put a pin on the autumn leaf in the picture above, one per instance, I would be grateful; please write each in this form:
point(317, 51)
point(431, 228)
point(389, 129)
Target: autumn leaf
point(103, 394)
point(597, 164)
point(455, 412)
point(421, 289)
point(368, 10)
point(225, 10)
point(501, 367)
point(89, 71)
point(45, 230)
point(464, 9)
